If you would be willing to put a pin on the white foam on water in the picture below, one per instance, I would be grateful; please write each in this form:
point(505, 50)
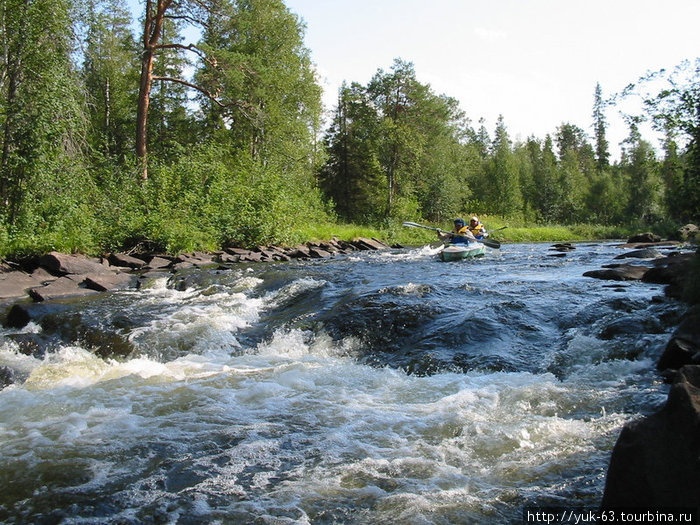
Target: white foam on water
point(334, 430)
point(295, 428)
point(412, 254)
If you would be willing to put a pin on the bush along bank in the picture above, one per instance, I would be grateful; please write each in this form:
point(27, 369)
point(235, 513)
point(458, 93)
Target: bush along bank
point(655, 462)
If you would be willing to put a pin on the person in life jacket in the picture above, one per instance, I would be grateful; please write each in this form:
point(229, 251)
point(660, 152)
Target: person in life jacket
point(460, 234)
point(477, 229)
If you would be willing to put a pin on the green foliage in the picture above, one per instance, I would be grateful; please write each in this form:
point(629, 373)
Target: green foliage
point(247, 169)
point(214, 197)
point(395, 151)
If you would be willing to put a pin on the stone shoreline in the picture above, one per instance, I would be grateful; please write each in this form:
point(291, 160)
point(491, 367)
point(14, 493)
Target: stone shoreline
point(61, 276)
point(655, 462)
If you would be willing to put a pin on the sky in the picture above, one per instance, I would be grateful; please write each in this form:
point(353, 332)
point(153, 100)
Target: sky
point(535, 62)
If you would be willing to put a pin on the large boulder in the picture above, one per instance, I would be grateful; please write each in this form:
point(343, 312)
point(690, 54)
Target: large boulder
point(64, 264)
point(689, 232)
point(655, 460)
point(672, 271)
point(646, 237)
point(619, 272)
point(684, 347)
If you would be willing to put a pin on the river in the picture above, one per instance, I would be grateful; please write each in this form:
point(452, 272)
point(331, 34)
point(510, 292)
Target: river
point(381, 387)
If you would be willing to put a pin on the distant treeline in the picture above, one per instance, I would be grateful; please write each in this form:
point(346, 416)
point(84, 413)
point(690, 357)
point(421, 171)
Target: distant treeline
point(113, 137)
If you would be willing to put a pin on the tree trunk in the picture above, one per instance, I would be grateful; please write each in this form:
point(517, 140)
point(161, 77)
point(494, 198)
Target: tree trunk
point(152, 29)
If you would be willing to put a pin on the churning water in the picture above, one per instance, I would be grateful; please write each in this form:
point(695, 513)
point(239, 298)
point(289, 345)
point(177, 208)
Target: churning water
point(385, 387)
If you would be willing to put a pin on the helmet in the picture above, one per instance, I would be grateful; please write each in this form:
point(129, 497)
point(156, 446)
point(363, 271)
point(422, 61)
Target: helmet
point(459, 222)
point(475, 219)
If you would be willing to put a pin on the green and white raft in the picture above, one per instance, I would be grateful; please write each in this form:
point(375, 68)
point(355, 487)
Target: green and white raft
point(455, 252)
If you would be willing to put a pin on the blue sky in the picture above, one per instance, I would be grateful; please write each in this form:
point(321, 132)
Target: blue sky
point(536, 62)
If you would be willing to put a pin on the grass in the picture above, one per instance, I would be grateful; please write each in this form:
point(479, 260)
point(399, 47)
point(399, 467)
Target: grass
point(395, 233)
point(515, 232)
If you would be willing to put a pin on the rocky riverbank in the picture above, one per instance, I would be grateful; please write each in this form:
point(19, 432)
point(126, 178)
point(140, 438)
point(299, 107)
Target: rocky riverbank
point(61, 276)
point(656, 460)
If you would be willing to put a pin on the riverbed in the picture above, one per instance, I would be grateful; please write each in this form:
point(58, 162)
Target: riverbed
point(378, 387)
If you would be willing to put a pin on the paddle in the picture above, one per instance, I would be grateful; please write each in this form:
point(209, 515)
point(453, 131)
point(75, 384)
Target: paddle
point(491, 244)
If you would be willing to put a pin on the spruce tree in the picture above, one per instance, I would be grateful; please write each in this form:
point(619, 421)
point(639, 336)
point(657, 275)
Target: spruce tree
point(602, 155)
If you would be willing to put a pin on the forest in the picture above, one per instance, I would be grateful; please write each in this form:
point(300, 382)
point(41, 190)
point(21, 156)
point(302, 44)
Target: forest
point(119, 134)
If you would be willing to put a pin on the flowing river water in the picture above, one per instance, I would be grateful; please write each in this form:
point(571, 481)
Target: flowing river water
point(381, 387)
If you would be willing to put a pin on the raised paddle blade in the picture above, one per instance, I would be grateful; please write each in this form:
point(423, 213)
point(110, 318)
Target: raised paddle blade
point(491, 244)
point(416, 225)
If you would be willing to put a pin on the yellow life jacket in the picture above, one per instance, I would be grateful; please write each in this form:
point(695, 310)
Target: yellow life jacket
point(476, 230)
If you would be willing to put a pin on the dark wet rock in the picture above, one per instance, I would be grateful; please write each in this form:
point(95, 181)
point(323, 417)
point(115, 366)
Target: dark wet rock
point(621, 272)
point(34, 345)
point(642, 245)
point(7, 376)
point(185, 281)
point(679, 353)
point(645, 253)
point(563, 247)
point(104, 343)
point(684, 346)
point(61, 324)
point(644, 238)
point(17, 317)
point(630, 325)
point(21, 314)
point(672, 271)
point(655, 460)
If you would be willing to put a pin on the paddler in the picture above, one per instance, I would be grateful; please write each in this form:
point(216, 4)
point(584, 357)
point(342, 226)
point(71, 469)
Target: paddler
point(460, 234)
point(476, 228)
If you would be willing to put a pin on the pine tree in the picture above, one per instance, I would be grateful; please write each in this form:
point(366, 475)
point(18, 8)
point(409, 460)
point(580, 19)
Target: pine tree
point(504, 192)
point(641, 169)
point(352, 175)
point(602, 155)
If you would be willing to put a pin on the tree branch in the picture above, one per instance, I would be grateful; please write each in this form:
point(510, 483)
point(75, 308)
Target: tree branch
point(206, 92)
